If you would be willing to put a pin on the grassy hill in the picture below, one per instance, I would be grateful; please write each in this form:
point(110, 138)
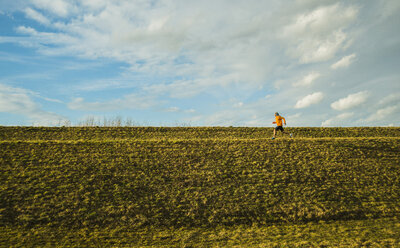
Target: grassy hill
point(148, 186)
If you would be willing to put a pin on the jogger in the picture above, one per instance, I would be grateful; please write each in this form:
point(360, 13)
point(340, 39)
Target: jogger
point(278, 122)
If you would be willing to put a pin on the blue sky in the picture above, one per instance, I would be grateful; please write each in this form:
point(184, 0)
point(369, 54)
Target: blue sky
point(200, 63)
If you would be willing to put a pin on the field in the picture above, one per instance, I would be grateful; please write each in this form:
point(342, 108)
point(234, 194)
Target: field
point(199, 187)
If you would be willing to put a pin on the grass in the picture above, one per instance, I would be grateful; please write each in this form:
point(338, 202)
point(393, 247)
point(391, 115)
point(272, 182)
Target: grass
point(199, 187)
point(382, 232)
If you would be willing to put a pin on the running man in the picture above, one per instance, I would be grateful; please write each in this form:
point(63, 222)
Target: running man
point(278, 122)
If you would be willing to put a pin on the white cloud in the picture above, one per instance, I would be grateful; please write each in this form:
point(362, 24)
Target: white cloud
point(192, 40)
point(383, 114)
point(309, 100)
point(308, 79)
point(179, 110)
point(131, 101)
point(238, 105)
point(344, 62)
point(321, 50)
point(94, 4)
point(351, 101)
point(224, 118)
point(190, 111)
point(338, 120)
point(19, 101)
point(318, 35)
point(390, 99)
point(390, 8)
point(33, 14)
point(40, 40)
point(58, 7)
point(27, 30)
point(168, 38)
point(173, 109)
point(322, 19)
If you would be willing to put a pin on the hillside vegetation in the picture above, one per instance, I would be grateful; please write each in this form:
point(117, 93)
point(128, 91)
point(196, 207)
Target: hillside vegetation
point(107, 133)
point(176, 186)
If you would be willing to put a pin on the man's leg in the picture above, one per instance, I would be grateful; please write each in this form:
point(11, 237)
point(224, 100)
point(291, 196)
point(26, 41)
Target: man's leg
point(274, 132)
point(279, 128)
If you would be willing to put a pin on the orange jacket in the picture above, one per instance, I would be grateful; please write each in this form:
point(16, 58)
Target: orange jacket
point(278, 120)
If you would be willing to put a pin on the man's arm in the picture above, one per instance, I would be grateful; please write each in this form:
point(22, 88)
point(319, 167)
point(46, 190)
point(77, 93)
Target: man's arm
point(284, 121)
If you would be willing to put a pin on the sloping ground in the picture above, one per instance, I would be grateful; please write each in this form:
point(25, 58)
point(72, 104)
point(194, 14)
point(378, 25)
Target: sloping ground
point(352, 233)
point(172, 189)
point(111, 133)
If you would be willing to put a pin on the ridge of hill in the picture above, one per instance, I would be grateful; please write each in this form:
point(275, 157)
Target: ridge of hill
point(107, 133)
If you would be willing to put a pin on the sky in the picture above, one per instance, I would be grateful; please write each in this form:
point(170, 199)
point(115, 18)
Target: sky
point(200, 63)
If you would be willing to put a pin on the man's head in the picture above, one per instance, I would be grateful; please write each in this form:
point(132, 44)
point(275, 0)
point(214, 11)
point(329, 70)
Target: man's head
point(276, 113)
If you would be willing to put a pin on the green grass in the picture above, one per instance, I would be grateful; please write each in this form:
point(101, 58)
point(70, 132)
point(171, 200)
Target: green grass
point(110, 133)
point(199, 187)
point(354, 233)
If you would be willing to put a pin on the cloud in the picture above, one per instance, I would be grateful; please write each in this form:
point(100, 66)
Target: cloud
point(33, 14)
point(238, 105)
point(338, 120)
point(19, 101)
point(351, 101)
point(179, 110)
point(191, 40)
point(318, 35)
point(173, 109)
point(309, 100)
point(321, 50)
point(322, 20)
point(58, 7)
point(390, 8)
point(174, 39)
point(94, 4)
point(390, 99)
point(131, 101)
point(224, 118)
point(41, 40)
point(308, 79)
point(384, 114)
point(15, 5)
point(344, 62)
